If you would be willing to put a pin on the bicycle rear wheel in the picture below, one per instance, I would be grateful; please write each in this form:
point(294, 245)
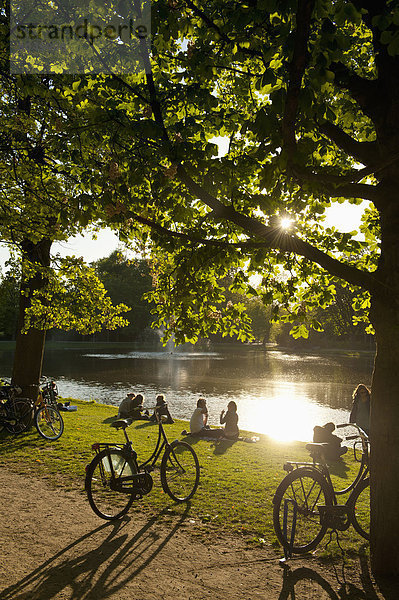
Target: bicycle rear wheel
point(22, 410)
point(359, 508)
point(180, 471)
point(102, 476)
point(49, 423)
point(296, 517)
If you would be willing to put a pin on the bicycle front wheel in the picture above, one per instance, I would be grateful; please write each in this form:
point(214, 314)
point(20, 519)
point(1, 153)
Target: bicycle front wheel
point(180, 471)
point(23, 413)
point(359, 508)
point(296, 518)
point(102, 477)
point(49, 423)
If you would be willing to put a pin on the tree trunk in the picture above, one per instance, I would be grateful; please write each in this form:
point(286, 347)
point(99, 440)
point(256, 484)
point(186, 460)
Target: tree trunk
point(29, 348)
point(384, 455)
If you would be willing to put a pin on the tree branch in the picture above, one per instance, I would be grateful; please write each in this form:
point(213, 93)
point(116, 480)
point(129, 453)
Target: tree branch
point(297, 68)
point(223, 36)
point(274, 238)
point(364, 152)
point(366, 92)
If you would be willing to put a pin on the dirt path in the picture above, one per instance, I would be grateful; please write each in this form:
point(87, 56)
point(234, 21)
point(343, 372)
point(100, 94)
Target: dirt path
point(54, 547)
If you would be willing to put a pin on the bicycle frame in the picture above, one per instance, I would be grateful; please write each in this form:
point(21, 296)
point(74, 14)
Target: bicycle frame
point(162, 442)
point(141, 479)
point(322, 466)
point(336, 516)
point(47, 394)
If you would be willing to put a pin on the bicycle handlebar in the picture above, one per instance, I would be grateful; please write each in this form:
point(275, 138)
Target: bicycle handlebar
point(361, 433)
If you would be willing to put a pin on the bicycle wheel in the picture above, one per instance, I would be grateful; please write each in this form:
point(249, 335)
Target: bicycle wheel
point(359, 508)
point(49, 423)
point(101, 478)
point(180, 471)
point(300, 492)
point(22, 410)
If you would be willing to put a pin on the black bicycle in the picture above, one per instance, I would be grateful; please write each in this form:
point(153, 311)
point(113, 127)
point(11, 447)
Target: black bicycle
point(16, 414)
point(48, 420)
point(306, 505)
point(115, 479)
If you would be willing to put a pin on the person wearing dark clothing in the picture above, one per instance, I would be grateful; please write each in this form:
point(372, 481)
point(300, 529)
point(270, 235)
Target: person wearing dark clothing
point(325, 435)
point(131, 407)
point(162, 409)
point(230, 421)
point(360, 413)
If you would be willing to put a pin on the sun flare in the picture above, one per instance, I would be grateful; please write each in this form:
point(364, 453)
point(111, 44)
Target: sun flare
point(286, 223)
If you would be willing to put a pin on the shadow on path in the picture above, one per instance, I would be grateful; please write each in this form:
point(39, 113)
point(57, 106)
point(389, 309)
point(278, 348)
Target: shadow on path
point(305, 582)
point(100, 572)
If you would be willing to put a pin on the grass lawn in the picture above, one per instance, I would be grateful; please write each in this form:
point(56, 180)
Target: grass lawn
point(237, 482)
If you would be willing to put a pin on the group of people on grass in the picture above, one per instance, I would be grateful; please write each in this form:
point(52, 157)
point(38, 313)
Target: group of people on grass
point(199, 422)
point(132, 407)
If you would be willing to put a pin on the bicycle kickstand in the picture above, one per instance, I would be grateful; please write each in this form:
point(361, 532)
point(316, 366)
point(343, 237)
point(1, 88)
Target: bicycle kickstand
point(283, 562)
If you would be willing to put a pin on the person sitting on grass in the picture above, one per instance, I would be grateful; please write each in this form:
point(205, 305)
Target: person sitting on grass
point(199, 420)
point(162, 409)
point(131, 407)
point(325, 435)
point(230, 418)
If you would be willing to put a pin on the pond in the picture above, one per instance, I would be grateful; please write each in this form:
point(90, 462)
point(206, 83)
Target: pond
point(280, 393)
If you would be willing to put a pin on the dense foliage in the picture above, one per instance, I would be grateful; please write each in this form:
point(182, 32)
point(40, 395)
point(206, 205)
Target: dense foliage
point(304, 94)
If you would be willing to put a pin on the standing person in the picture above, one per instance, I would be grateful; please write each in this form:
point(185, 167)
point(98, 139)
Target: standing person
point(360, 413)
point(199, 420)
point(230, 418)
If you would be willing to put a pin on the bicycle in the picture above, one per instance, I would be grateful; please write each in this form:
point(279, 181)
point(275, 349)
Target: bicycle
point(48, 420)
point(115, 479)
point(305, 503)
point(15, 413)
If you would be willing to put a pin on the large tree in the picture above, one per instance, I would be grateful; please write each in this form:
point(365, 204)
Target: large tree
point(306, 94)
point(41, 202)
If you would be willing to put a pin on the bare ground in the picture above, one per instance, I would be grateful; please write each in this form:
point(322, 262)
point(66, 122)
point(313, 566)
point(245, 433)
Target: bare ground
point(54, 547)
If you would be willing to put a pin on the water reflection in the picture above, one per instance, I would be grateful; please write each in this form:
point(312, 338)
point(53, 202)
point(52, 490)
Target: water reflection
point(278, 393)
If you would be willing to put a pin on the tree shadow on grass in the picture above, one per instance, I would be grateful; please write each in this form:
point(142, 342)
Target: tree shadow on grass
point(101, 571)
point(110, 419)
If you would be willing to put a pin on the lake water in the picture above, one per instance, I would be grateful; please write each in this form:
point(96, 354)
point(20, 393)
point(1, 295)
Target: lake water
point(279, 393)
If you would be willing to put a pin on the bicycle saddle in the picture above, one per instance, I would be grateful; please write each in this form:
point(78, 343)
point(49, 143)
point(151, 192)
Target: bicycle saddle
point(121, 423)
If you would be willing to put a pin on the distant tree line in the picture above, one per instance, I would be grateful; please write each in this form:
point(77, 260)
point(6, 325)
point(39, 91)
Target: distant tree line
point(126, 281)
point(122, 278)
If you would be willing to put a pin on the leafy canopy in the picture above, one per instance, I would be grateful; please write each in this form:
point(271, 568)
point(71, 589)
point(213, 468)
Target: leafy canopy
point(288, 86)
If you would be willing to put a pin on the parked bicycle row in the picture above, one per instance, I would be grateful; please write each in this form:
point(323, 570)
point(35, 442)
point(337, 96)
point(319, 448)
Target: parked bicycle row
point(18, 414)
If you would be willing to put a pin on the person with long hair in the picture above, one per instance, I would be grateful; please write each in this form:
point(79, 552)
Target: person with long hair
point(360, 413)
point(199, 422)
point(230, 419)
